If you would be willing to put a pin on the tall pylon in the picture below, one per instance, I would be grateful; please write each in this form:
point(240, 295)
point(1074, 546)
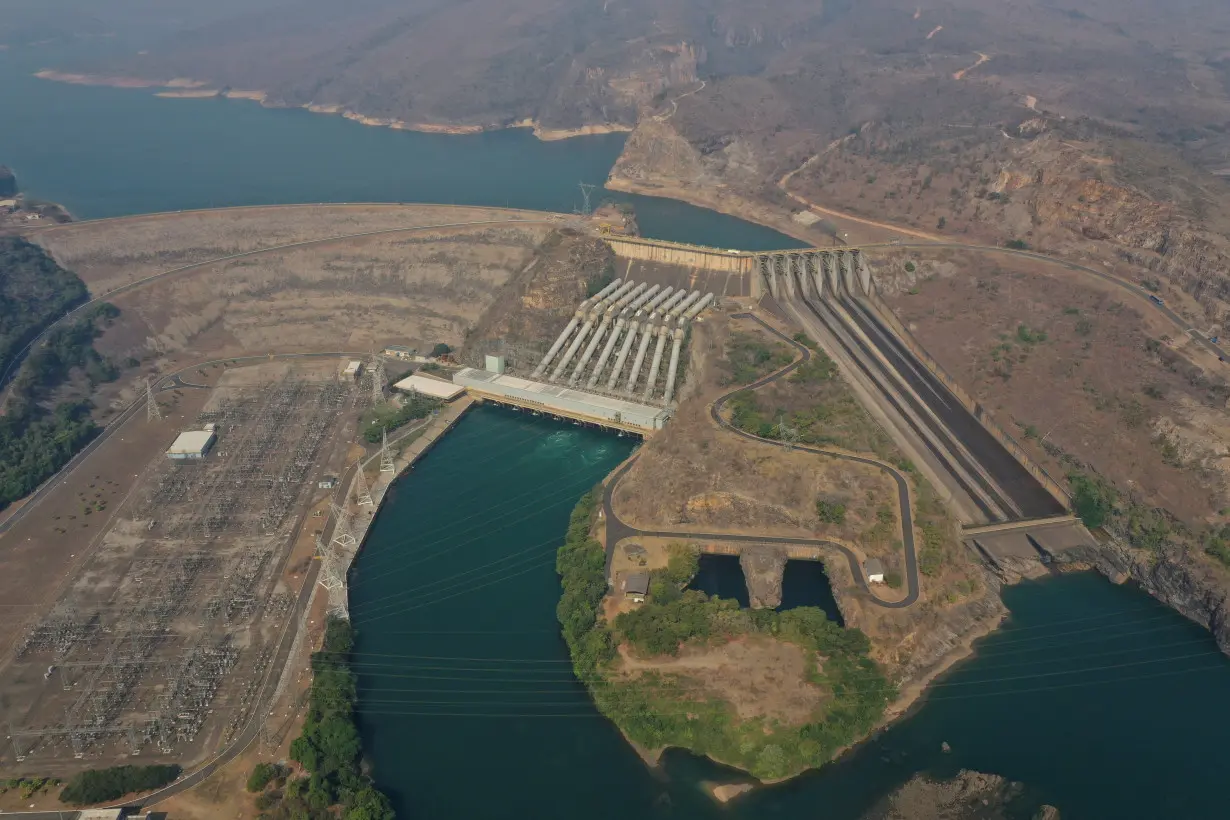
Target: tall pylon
point(152, 411)
point(786, 433)
point(362, 493)
point(378, 377)
point(342, 536)
point(386, 457)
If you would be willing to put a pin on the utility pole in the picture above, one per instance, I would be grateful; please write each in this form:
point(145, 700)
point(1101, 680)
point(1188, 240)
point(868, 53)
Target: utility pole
point(152, 411)
point(386, 457)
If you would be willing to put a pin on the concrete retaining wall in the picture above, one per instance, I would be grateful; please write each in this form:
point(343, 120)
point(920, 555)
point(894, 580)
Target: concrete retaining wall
point(688, 256)
point(979, 412)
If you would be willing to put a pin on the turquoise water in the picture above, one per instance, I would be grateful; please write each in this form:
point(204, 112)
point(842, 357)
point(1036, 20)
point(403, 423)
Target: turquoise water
point(1105, 702)
point(1100, 699)
point(111, 152)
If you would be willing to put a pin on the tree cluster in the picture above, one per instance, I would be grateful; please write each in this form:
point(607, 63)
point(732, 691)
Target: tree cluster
point(36, 442)
point(34, 292)
point(104, 785)
point(387, 417)
point(329, 748)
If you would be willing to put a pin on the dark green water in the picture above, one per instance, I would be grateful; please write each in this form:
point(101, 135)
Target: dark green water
point(1104, 702)
point(111, 152)
point(1107, 704)
point(721, 576)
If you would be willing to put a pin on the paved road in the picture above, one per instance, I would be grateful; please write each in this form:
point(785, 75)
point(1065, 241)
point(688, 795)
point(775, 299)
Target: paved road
point(617, 529)
point(1117, 281)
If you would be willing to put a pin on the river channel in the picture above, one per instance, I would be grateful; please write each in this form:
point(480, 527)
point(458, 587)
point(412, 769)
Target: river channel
point(1104, 702)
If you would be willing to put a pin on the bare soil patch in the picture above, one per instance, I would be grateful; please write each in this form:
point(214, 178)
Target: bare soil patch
point(758, 676)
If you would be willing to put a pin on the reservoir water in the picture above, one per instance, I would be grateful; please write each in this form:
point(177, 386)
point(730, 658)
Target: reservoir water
point(113, 151)
point(1103, 701)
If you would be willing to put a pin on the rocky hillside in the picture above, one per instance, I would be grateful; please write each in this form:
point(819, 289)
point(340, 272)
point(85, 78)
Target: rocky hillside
point(967, 796)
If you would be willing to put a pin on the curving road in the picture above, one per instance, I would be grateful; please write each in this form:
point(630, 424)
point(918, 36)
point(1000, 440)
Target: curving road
point(617, 529)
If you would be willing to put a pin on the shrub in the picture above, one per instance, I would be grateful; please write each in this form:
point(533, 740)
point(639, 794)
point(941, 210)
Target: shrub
point(1092, 500)
point(102, 785)
point(1017, 244)
point(830, 512)
point(910, 267)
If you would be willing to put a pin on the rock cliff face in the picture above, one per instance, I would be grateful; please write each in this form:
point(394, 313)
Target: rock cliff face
point(1176, 576)
point(8, 182)
point(763, 569)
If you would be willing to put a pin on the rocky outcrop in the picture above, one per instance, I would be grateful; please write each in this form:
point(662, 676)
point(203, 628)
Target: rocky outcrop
point(763, 568)
point(8, 182)
point(968, 796)
point(1176, 575)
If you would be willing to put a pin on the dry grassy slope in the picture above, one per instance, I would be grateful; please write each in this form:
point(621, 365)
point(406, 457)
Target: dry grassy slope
point(533, 307)
point(1128, 412)
point(414, 288)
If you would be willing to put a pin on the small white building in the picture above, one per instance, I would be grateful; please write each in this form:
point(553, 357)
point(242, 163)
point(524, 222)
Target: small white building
point(435, 388)
point(875, 570)
point(327, 483)
point(353, 369)
point(192, 445)
point(494, 364)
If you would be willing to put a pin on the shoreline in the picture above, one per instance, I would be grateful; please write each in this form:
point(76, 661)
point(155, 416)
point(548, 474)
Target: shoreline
point(185, 88)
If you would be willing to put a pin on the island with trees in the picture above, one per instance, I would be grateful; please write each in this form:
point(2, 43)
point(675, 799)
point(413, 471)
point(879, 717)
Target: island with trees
point(671, 671)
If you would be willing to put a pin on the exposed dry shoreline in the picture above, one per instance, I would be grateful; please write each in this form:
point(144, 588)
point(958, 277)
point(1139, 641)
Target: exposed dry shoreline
point(187, 88)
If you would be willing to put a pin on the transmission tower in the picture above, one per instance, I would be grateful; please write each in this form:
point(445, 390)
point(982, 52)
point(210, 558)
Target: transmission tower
point(785, 433)
point(386, 457)
point(362, 493)
point(152, 411)
point(330, 577)
point(342, 536)
point(586, 190)
point(377, 369)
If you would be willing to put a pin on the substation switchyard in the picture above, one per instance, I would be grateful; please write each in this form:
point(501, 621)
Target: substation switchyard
point(163, 639)
point(601, 369)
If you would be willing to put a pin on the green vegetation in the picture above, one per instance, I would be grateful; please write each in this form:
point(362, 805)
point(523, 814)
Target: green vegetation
point(103, 785)
point(36, 442)
point(387, 416)
point(648, 709)
point(34, 292)
point(748, 358)
point(1029, 336)
point(265, 773)
point(931, 551)
point(819, 369)
point(28, 786)
point(329, 747)
point(1093, 500)
point(805, 340)
point(910, 267)
point(830, 512)
point(1017, 244)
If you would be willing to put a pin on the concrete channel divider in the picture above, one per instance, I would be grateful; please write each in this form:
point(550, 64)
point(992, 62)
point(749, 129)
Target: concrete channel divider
point(905, 404)
point(886, 314)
